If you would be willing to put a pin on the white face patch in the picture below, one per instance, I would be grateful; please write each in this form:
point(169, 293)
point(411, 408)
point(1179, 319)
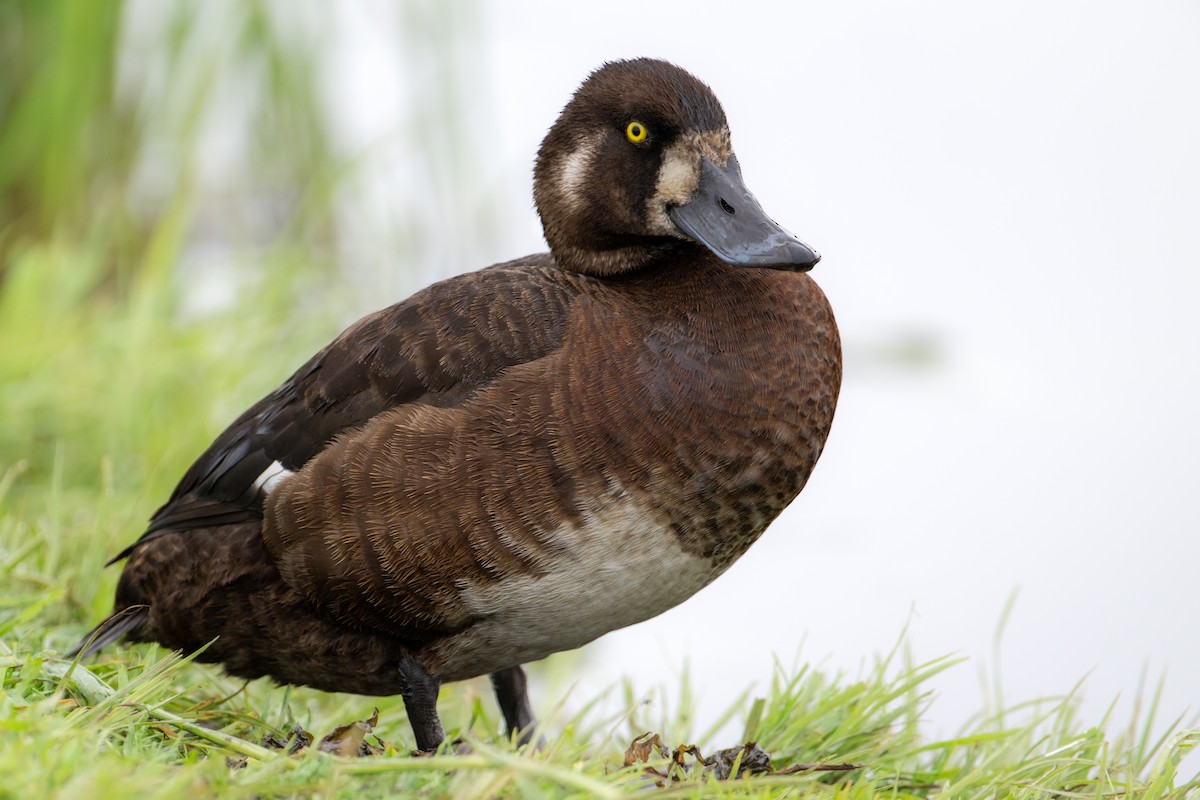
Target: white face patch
point(270, 478)
point(574, 174)
point(679, 176)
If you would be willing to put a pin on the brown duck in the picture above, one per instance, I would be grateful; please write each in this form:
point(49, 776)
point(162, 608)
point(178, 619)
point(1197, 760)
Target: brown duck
point(518, 460)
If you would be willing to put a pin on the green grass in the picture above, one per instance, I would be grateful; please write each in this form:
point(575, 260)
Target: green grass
point(105, 402)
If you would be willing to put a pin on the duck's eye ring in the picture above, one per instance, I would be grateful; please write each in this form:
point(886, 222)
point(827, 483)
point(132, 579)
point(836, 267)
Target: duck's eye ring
point(636, 132)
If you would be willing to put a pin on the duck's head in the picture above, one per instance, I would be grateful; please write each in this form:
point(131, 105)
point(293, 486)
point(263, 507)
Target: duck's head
point(639, 166)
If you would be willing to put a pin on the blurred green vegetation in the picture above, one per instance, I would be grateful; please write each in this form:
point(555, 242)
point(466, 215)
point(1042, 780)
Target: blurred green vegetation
point(134, 135)
point(107, 186)
point(173, 215)
point(104, 107)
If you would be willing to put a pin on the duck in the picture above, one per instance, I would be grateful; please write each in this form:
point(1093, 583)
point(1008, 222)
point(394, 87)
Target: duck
point(517, 460)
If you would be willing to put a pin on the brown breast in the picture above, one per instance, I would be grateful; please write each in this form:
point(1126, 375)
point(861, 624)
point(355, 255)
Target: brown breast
point(700, 393)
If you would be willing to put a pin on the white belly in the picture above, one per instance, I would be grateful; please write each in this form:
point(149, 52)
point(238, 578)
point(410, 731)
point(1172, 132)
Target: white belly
point(620, 566)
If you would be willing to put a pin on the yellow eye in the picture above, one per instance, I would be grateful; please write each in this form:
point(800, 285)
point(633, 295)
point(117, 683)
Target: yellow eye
point(636, 131)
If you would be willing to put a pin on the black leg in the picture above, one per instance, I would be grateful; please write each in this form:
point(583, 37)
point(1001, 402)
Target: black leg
point(420, 692)
point(512, 694)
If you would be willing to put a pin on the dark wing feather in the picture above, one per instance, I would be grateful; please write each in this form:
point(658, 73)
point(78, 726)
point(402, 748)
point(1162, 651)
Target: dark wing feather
point(438, 347)
point(115, 625)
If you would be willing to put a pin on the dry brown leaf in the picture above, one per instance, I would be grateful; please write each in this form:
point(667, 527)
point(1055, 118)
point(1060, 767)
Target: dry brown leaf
point(297, 740)
point(349, 740)
point(641, 749)
point(750, 759)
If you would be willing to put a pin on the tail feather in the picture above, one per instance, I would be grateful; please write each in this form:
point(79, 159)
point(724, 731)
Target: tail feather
point(116, 625)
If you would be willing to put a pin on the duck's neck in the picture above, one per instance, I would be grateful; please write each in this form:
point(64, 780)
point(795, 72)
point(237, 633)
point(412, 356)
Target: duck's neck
point(635, 255)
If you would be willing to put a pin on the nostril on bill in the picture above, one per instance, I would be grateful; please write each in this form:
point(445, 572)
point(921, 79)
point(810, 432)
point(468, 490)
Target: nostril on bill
point(728, 209)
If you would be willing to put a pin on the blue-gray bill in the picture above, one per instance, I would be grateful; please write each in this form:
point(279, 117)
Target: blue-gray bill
point(727, 219)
